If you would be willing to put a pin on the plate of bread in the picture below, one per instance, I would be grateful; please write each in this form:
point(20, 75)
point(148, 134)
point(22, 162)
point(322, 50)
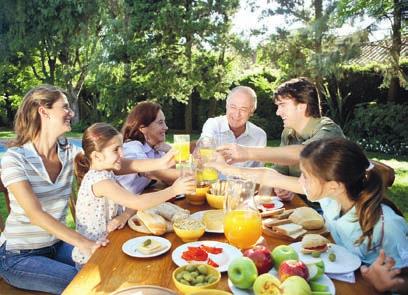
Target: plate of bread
point(157, 220)
point(337, 259)
point(146, 246)
point(293, 224)
point(213, 220)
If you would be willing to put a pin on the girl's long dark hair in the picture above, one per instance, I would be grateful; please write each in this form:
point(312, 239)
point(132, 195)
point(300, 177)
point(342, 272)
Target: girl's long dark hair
point(94, 138)
point(341, 160)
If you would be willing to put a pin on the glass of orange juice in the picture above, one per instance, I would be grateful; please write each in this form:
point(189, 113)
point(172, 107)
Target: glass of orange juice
point(181, 143)
point(242, 222)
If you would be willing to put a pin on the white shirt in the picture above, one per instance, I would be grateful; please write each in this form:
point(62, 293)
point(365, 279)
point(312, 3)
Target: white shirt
point(24, 164)
point(135, 150)
point(219, 129)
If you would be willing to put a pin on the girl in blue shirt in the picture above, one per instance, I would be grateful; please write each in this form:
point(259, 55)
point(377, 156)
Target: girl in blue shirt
point(350, 190)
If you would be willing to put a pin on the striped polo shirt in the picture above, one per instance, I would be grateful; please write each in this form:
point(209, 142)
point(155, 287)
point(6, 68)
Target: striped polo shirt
point(24, 164)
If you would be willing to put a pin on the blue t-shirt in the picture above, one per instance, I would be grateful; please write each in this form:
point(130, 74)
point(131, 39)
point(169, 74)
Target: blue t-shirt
point(346, 229)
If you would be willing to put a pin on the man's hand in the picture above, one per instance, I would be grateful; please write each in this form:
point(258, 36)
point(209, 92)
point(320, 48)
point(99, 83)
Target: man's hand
point(382, 274)
point(233, 153)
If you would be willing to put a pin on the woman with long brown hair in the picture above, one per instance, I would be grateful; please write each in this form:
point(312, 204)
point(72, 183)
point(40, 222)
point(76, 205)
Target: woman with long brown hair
point(37, 169)
point(144, 135)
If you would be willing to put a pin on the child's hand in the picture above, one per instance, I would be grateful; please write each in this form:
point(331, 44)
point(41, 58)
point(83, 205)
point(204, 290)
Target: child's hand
point(168, 160)
point(184, 185)
point(381, 273)
point(117, 223)
point(284, 195)
point(91, 246)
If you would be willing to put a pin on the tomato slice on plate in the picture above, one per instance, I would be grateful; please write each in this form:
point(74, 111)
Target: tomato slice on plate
point(211, 250)
point(269, 206)
point(212, 263)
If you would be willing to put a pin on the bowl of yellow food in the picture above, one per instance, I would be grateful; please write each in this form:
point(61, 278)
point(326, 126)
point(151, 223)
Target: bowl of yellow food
point(215, 201)
point(195, 277)
point(200, 195)
point(188, 229)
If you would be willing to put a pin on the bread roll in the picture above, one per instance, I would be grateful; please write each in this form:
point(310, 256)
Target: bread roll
point(137, 225)
point(314, 243)
point(154, 222)
point(307, 217)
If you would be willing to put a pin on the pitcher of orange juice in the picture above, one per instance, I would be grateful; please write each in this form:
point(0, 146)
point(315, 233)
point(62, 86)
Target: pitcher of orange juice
point(242, 222)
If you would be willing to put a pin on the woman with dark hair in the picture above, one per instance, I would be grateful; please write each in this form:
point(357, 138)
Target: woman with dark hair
point(37, 169)
point(336, 173)
point(144, 135)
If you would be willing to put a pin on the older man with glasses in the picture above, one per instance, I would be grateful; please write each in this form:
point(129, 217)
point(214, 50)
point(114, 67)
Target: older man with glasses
point(234, 127)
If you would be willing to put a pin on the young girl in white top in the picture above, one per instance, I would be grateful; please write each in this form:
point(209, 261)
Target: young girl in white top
point(100, 195)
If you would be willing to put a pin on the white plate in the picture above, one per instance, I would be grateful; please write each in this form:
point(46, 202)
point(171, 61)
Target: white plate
point(223, 259)
point(275, 200)
point(324, 280)
point(129, 247)
point(345, 260)
point(199, 216)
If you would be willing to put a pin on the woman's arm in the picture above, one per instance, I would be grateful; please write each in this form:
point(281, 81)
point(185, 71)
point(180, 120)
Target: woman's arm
point(115, 192)
point(26, 198)
point(134, 166)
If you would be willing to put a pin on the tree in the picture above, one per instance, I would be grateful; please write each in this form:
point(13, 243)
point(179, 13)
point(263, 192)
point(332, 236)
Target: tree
point(56, 39)
point(392, 10)
point(160, 44)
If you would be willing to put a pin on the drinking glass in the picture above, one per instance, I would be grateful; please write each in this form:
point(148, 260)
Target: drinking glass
point(205, 153)
point(181, 143)
point(242, 222)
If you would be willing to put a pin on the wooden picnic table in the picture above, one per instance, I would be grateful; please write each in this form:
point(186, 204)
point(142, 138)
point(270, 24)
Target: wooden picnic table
point(109, 269)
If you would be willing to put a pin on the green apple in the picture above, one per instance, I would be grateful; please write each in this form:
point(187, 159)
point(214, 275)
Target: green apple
point(267, 284)
point(316, 269)
point(316, 287)
point(321, 293)
point(282, 253)
point(295, 285)
point(242, 272)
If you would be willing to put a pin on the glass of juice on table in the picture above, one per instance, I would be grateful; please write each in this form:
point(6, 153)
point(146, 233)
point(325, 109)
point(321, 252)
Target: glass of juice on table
point(242, 222)
point(181, 143)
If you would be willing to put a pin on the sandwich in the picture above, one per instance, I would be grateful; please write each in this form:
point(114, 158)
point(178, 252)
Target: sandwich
point(149, 246)
point(290, 229)
point(314, 243)
point(307, 217)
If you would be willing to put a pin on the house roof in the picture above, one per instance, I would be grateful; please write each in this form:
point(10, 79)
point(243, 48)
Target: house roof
point(378, 51)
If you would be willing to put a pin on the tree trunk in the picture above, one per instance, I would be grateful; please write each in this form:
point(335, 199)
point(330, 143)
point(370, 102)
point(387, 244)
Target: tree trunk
point(395, 52)
point(188, 115)
point(212, 108)
point(318, 10)
point(73, 95)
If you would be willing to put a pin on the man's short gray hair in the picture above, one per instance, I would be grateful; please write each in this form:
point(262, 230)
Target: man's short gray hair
point(247, 90)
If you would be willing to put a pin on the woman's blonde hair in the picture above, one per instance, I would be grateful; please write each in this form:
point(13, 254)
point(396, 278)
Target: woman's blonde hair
point(27, 123)
point(94, 138)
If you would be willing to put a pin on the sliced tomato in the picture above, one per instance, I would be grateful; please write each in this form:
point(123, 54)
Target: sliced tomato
point(187, 256)
point(212, 263)
point(269, 206)
point(212, 250)
point(195, 253)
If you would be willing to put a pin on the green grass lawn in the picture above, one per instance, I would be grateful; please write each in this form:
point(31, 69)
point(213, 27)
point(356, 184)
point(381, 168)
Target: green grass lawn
point(397, 193)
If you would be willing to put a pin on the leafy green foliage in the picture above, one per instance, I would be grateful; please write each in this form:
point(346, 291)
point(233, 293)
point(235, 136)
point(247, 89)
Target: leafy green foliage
point(381, 128)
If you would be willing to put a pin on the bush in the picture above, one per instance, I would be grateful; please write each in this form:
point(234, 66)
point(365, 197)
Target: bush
point(381, 128)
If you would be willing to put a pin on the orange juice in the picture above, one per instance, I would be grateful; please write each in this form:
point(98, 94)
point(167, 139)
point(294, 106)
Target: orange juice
point(207, 174)
point(242, 228)
point(183, 151)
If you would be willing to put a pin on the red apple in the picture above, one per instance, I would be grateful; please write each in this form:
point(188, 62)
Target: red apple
point(290, 268)
point(262, 258)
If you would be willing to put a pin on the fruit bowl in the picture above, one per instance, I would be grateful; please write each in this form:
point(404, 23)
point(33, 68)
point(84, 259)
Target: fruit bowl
point(195, 277)
point(215, 201)
point(189, 230)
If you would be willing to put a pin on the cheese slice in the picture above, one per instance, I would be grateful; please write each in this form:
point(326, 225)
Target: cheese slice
point(152, 247)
